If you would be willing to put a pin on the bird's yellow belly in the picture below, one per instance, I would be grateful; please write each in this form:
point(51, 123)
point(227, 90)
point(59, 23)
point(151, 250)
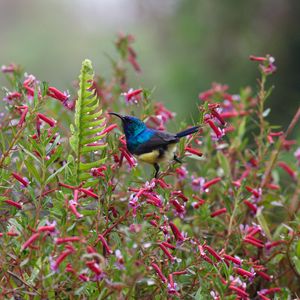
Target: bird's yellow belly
point(155, 157)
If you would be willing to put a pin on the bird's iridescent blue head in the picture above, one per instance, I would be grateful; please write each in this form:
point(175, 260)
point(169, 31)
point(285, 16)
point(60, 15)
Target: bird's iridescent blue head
point(132, 126)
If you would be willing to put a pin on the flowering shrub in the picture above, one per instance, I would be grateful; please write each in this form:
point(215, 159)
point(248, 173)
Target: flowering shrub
point(81, 218)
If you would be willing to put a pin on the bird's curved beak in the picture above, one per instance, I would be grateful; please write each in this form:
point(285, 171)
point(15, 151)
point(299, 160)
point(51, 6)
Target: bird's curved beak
point(115, 114)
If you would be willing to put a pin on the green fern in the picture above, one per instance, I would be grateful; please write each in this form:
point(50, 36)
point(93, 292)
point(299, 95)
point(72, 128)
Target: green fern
point(88, 123)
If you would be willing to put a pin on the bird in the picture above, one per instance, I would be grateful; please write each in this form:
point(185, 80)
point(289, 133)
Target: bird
point(150, 145)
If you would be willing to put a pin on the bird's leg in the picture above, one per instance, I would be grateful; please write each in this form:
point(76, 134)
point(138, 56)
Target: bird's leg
point(156, 166)
point(177, 159)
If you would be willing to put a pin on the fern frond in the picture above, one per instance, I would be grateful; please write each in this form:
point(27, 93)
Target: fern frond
point(89, 124)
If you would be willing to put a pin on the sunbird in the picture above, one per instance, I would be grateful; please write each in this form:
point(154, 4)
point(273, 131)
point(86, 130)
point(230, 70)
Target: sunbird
point(150, 145)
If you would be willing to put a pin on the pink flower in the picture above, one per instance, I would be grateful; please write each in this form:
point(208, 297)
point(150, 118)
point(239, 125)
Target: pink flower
point(70, 239)
point(297, 155)
point(50, 122)
point(23, 180)
point(31, 240)
point(181, 172)
point(218, 212)
point(177, 234)
point(104, 243)
point(159, 272)
point(287, 169)
point(193, 151)
point(57, 94)
point(218, 133)
point(266, 63)
point(54, 265)
point(11, 68)
point(24, 110)
point(244, 273)
point(235, 260)
point(13, 203)
point(132, 96)
point(12, 96)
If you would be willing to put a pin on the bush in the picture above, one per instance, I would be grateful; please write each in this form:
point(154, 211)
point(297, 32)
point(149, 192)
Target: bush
point(80, 218)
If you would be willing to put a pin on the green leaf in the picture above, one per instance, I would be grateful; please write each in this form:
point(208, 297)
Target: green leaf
point(87, 125)
point(223, 161)
point(32, 170)
point(56, 173)
point(263, 223)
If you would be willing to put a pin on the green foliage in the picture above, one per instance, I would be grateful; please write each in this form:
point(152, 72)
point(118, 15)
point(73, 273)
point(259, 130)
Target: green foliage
point(89, 123)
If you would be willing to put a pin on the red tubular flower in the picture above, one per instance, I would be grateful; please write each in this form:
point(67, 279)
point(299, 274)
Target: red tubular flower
point(134, 63)
point(177, 234)
point(180, 195)
point(262, 297)
point(254, 192)
point(216, 129)
point(166, 251)
point(159, 272)
point(13, 95)
point(55, 265)
point(108, 129)
point(31, 240)
point(210, 183)
point(162, 183)
point(272, 290)
point(193, 151)
point(273, 244)
point(179, 208)
point(168, 245)
point(21, 179)
point(74, 210)
point(132, 94)
point(67, 186)
point(253, 242)
point(11, 68)
point(218, 212)
point(104, 243)
point(97, 172)
point(128, 157)
point(153, 223)
point(218, 116)
point(264, 275)
point(251, 206)
point(71, 239)
point(253, 230)
point(239, 291)
point(257, 58)
point(13, 203)
point(287, 169)
point(24, 110)
point(235, 260)
point(90, 249)
point(50, 122)
point(273, 186)
point(180, 272)
point(70, 269)
point(88, 193)
point(57, 94)
point(93, 266)
point(50, 228)
point(213, 252)
point(244, 273)
point(12, 233)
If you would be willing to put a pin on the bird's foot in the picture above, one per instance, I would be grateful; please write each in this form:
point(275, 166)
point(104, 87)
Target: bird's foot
point(177, 159)
point(156, 166)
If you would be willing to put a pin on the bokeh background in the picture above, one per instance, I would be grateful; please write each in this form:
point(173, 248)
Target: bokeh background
point(183, 45)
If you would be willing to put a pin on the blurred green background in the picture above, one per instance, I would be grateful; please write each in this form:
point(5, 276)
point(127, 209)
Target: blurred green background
point(182, 45)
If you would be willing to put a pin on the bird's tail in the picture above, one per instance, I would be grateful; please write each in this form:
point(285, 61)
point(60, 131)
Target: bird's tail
point(187, 131)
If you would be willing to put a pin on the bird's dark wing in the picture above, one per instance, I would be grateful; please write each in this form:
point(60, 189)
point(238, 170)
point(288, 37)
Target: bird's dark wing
point(158, 140)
